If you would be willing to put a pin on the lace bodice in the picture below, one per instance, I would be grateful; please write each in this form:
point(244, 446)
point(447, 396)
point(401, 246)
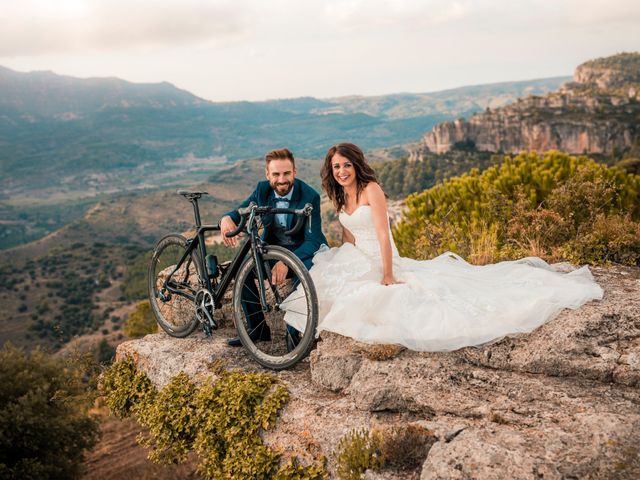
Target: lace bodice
point(360, 224)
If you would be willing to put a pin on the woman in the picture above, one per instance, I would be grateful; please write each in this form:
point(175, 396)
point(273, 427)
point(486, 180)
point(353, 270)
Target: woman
point(368, 292)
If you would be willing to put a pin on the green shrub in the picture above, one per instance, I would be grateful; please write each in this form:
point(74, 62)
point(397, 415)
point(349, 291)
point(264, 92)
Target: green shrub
point(293, 470)
point(44, 420)
point(402, 177)
point(529, 205)
point(170, 420)
point(630, 165)
point(220, 422)
point(126, 391)
point(141, 321)
point(358, 451)
point(614, 238)
point(135, 278)
point(104, 352)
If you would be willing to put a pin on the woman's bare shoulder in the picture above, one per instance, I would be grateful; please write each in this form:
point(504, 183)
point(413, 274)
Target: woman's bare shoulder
point(373, 190)
point(373, 187)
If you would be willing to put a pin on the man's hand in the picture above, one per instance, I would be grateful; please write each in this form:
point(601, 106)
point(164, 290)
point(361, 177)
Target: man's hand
point(228, 225)
point(279, 273)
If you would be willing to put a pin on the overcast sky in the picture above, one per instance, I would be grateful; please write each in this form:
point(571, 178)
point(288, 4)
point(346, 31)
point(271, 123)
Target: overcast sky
point(260, 49)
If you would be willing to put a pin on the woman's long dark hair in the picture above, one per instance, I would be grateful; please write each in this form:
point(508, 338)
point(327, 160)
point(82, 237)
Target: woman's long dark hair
point(364, 173)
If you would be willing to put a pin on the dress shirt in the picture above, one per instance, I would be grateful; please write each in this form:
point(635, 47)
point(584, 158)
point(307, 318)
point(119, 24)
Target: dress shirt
point(282, 217)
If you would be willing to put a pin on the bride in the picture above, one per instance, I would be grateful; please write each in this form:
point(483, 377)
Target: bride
point(368, 292)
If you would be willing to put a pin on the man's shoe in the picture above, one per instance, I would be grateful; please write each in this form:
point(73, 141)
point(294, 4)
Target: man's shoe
point(264, 335)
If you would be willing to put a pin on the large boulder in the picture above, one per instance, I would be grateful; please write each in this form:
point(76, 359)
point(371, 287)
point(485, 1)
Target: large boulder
point(560, 402)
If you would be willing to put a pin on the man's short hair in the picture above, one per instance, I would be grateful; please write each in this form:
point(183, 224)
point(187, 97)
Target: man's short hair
point(279, 154)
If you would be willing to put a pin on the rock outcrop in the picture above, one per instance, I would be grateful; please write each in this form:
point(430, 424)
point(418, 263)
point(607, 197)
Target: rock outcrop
point(597, 113)
point(560, 402)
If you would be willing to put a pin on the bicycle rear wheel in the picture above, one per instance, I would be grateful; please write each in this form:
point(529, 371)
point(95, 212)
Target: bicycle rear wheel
point(282, 335)
point(174, 312)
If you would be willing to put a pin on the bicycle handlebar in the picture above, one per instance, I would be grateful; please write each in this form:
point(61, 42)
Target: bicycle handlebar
point(256, 210)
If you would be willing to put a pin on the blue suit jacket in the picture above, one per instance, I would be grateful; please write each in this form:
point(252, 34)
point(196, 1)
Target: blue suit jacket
point(306, 242)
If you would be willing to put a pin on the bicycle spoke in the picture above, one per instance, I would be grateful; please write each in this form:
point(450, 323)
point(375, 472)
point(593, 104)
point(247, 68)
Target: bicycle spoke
point(299, 313)
point(252, 303)
point(288, 300)
point(246, 289)
point(175, 311)
point(284, 346)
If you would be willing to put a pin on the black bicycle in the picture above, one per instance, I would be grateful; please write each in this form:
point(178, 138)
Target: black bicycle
point(275, 323)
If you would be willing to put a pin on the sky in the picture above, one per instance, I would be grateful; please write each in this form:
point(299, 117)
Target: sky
point(227, 50)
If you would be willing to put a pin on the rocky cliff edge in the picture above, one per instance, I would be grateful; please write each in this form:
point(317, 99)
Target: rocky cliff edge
point(560, 402)
point(597, 113)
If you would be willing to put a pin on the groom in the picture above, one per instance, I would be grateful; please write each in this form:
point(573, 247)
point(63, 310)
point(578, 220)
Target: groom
point(280, 190)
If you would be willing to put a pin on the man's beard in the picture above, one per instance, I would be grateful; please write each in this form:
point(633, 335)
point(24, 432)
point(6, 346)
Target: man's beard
point(278, 186)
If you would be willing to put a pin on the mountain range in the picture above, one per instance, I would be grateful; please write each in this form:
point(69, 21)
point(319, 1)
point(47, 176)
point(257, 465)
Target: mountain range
point(598, 113)
point(63, 137)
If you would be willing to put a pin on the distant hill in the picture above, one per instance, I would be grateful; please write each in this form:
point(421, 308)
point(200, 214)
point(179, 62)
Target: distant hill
point(45, 94)
point(454, 102)
point(597, 113)
point(63, 138)
point(70, 282)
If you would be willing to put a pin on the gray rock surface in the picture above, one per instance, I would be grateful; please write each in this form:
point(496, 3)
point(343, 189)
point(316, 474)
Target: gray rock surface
point(560, 402)
point(600, 341)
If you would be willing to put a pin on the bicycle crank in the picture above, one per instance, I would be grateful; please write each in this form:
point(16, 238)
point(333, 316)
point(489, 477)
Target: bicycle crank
point(205, 307)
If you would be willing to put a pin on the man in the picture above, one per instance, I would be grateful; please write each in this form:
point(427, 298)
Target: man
point(281, 190)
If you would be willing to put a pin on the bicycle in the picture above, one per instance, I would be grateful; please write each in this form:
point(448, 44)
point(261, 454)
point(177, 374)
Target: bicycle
point(186, 286)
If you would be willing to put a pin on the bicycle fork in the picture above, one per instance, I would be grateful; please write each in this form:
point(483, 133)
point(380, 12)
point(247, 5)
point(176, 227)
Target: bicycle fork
point(261, 268)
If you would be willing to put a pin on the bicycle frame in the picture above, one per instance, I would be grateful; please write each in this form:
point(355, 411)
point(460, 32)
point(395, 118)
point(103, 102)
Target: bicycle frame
point(199, 292)
point(198, 242)
point(253, 243)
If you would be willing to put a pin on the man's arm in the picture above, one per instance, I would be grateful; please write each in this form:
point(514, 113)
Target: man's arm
point(230, 220)
point(233, 214)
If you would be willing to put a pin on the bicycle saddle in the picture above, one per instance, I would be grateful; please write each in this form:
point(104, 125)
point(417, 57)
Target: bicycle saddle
point(191, 195)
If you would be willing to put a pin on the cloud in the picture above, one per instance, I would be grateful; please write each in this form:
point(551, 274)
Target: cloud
point(256, 49)
point(370, 14)
point(598, 13)
point(66, 26)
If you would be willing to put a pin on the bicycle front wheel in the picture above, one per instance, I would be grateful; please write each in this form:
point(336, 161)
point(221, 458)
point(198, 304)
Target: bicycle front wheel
point(280, 335)
point(172, 299)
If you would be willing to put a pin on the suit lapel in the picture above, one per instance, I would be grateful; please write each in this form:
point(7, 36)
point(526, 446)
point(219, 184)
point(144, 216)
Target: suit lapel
point(295, 200)
point(271, 196)
point(267, 220)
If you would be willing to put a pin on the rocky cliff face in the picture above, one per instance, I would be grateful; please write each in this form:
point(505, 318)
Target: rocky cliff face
point(560, 402)
point(598, 113)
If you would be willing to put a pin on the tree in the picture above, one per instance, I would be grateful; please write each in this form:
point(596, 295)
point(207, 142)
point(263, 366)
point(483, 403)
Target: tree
point(44, 423)
point(141, 321)
point(104, 353)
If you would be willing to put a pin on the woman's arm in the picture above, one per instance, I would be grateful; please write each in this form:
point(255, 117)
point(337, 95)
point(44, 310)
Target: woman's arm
point(347, 236)
point(375, 197)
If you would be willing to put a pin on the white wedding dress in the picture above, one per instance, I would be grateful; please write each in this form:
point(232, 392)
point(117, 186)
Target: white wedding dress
point(444, 303)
